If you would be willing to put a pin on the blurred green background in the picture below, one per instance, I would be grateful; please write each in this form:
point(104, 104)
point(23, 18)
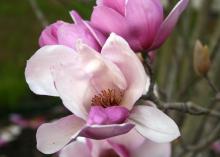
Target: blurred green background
point(20, 30)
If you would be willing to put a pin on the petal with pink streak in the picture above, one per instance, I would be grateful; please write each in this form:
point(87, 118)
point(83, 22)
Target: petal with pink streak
point(100, 38)
point(37, 72)
point(131, 140)
point(51, 137)
point(154, 124)
point(152, 150)
point(99, 132)
point(139, 146)
point(73, 86)
point(108, 20)
point(79, 81)
point(169, 24)
point(76, 17)
point(104, 74)
point(101, 148)
point(118, 5)
point(69, 34)
point(96, 34)
point(75, 148)
point(121, 150)
point(118, 51)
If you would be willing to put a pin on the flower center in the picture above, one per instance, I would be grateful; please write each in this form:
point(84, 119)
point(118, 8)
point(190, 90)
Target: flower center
point(108, 153)
point(107, 98)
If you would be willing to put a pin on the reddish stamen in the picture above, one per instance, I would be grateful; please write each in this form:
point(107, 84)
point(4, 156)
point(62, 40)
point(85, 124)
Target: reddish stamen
point(107, 98)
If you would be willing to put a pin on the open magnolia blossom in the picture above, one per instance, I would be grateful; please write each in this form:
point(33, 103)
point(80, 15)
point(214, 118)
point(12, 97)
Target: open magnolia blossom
point(140, 22)
point(64, 33)
point(131, 144)
point(100, 89)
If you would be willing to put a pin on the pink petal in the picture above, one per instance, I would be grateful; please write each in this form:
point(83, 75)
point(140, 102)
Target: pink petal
point(105, 131)
point(131, 140)
point(68, 34)
point(117, 114)
point(104, 74)
point(144, 18)
point(75, 148)
point(153, 150)
point(49, 34)
point(139, 146)
point(108, 20)
point(118, 5)
point(169, 24)
point(51, 137)
point(118, 51)
point(100, 38)
point(109, 115)
point(76, 17)
point(97, 115)
point(154, 124)
point(120, 149)
point(101, 148)
point(77, 82)
point(37, 72)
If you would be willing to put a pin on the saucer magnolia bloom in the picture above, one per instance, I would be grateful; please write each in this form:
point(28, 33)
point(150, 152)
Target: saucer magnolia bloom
point(131, 144)
point(64, 33)
point(140, 22)
point(100, 89)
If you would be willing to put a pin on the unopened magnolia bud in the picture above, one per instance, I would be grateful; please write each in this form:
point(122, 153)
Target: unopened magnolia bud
point(201, 59)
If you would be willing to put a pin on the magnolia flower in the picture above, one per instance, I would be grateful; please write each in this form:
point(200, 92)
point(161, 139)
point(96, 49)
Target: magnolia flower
point(131, 144)
point(140, 22)
point(100, 89)
point(63, 33)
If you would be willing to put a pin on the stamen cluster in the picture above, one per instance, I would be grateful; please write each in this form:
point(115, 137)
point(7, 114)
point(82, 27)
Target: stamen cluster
point(107, 98)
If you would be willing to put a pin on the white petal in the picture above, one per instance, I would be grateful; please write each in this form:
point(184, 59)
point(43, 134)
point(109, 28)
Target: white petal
point(79, 81)
point(51, 137)
point(75, 148)
point(152, 149)
point(118, 51)
point(37, 72)
point(154, 124)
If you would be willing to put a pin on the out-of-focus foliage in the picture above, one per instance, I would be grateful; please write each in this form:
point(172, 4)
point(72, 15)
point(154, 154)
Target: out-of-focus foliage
point(19, 34)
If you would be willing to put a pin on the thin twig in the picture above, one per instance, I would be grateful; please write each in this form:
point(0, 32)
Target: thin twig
point(191, 108)
point(213, 136)
point(187, 107)
point(215, 90)
point(38, 12)
point(149, 69)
